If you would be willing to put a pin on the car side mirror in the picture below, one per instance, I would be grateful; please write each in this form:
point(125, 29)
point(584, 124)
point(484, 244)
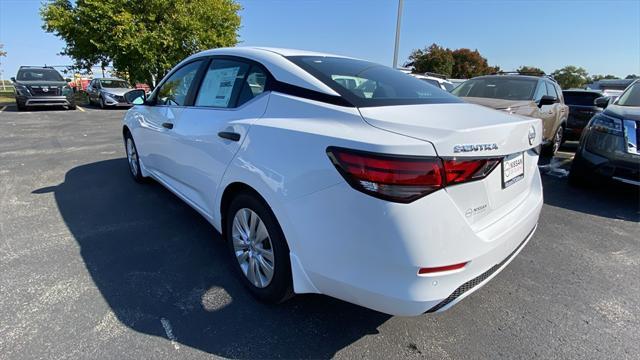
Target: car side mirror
point(135, 97)
point(601, 102)
point(547, 100)
point(13, 79)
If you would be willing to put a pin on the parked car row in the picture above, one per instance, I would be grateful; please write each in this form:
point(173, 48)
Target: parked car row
point(43, 86)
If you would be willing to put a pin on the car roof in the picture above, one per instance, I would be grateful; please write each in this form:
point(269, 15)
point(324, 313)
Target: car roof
point(595, 91)
point(439, 80)
point(532, 77)
point(109, 78)
point(274, 59)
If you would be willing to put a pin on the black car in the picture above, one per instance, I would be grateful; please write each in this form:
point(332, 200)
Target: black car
point(609, 143)
point(582, 108)
point(42, 86)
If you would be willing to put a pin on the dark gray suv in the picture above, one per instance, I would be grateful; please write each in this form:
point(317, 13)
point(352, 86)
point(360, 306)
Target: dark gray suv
point(609, 143)
point(42, 86)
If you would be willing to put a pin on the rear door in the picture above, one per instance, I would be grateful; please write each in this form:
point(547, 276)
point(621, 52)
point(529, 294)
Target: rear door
point(209, 133)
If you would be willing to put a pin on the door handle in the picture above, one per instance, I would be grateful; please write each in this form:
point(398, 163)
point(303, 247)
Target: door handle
point(167, 125)
point(229, 135)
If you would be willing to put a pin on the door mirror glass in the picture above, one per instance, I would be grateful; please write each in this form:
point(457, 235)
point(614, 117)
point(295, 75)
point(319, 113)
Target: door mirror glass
point(601, 102)
point(67, 80)
point(135, 97)
point(13, 79)
point(547, 100)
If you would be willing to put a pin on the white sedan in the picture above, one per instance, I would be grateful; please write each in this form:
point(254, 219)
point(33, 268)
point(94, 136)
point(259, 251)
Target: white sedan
point(332, 175)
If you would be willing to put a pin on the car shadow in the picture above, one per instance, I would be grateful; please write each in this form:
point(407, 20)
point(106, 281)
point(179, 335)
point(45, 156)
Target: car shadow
point(159, 264)
point(609, 199)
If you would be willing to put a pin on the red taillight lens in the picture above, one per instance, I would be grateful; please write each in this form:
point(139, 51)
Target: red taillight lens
point(391, 177)
point(405, 178)
point(459, 171)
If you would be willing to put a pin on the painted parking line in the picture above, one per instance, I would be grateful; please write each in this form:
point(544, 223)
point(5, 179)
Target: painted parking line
point(3, 108)
point(81, 109)
point(169, 331)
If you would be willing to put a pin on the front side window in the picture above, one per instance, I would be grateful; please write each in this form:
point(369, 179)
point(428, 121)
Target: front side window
point(498, 88)
point(551, 90)
point(631, 96)
point(542, 91)
point(39, 75)
point(174, 91)
point(363, 83)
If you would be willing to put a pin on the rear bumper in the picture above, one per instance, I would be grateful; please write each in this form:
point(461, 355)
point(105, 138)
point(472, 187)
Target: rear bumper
point(368, 252)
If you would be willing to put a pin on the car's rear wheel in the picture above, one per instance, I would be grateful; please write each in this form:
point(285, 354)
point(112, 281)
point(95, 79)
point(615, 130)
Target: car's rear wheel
point(132, 158)
point(258, 249)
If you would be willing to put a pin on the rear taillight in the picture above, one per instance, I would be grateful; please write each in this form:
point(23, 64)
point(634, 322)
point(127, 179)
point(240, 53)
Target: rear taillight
point(402, 178)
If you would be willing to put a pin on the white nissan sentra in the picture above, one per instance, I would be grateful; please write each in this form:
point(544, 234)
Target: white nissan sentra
point(332, 175)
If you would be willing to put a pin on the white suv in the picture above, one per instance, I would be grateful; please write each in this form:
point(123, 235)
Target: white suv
point(332, 175)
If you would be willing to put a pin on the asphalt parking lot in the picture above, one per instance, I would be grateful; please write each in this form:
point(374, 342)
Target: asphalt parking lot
point(93, 265)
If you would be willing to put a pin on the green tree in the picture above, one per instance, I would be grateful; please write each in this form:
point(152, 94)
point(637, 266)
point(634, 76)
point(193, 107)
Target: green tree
point(571, 77)
point(530, 70)
point(434, 58)
point(594, 78)
point(143, 39)
point(468, 64)
point(632, 76)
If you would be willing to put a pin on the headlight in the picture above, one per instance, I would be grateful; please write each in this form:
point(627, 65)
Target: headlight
point(606, 124)
point(22, 90)
point(108, 94)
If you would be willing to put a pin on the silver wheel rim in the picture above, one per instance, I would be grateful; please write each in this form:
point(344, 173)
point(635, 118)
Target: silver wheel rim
point(132, 157)
point(252, 247)
point(557, 140)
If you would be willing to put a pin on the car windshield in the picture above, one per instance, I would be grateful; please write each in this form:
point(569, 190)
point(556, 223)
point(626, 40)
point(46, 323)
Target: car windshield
point(114, 84)
point(363, 83)
point(580, 98)
point(497, 88)
point(631, 96)
point(39, 75)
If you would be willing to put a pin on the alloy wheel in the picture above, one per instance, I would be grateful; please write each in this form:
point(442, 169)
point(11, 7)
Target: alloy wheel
point(557, 140)
point(253, 248)
point(132, 157)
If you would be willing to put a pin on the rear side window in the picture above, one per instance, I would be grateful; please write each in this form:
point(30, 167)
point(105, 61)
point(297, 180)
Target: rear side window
point(222, 83)
point(580, 98)
point(363, 83)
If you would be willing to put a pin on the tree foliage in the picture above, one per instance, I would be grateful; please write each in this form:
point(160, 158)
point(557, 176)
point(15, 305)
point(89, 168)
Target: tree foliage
point(632, 76)
point(459, 63)
point(571, 77)
point(595, 78)
point(143, 39)
point(2, 52)
point(530, 70)
point(432, 59)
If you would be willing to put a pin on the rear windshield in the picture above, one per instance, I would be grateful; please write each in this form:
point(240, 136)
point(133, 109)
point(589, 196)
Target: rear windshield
point(580, 98)
point(497, 88)
point(114, 84)
point(39, 75)
point(363, 83)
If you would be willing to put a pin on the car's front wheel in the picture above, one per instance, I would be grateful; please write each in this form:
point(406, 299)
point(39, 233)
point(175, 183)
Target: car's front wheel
point(101, 102)
point(258, 248)
point(552, 148)
point(132, 158)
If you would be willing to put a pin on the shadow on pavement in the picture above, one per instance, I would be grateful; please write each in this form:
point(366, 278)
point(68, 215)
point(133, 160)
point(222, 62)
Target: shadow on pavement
point(608, 199)
point(157, 261)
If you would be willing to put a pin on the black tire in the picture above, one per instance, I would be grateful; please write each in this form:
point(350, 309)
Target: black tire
point(73, 106)
point(280, 287)
point(550, 149)
point(137, 173)
point(21, 107)
point(101, 102)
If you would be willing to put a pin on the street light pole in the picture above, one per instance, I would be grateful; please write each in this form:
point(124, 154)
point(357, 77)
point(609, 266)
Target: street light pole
point(398, 21)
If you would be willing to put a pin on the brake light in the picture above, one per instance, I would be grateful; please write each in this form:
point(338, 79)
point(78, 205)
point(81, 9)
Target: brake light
point(459, 171)
point(402, 178)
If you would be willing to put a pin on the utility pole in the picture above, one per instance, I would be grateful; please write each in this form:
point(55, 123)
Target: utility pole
point(398, 21)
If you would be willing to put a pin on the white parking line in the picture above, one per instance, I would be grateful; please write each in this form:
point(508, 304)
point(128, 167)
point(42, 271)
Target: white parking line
point(79, 108)
point(167, 329)
point(2, 109)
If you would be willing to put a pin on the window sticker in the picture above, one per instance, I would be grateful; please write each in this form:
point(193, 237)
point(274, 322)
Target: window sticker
point(218, 87)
